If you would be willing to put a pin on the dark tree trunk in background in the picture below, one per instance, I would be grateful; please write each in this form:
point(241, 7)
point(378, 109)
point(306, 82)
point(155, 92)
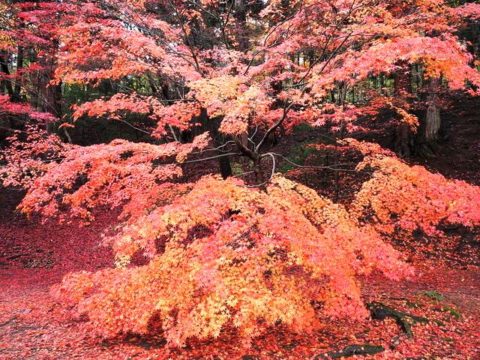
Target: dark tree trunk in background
point(433, 120)
point(6, 84)
point(6, 87)
point(403, 140)
point(431, 123)
point(212, 125)
point(341, 90)
point(225, 167)
point(18, 81)
point(240, 13)
point(403, 134)
point(52, 98)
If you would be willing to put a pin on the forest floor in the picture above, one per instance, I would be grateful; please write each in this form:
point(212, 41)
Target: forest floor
point(445, 291)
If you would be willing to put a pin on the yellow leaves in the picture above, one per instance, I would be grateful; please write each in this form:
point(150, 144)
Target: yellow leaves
point(231, 97)
point(210, 316)
point(231, 302)
point(124, 248)
point(122, 261)
point(221, 88)
point(6, 41)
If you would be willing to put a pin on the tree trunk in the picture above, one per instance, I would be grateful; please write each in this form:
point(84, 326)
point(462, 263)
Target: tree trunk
point(403, 140)
point(426, 140)
point(257, 168)
point(225, 167)
point(7, 84)
point(212, 125)
point(240, 14)
point(18, 80)
point(433, 120)
point(403, 135)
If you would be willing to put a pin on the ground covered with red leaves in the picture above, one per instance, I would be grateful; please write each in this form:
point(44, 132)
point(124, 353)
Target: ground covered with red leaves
point(445, 296)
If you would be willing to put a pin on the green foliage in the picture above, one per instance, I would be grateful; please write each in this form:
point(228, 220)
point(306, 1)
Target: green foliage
point(452, 311)
point(302, 128)
point(434, 295)
point(297, 155)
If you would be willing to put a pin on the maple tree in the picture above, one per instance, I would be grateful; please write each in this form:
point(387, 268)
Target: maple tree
point(219, 80)
point(240, 256)
point(341, 45)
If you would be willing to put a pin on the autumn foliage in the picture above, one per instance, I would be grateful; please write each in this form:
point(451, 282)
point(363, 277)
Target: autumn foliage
point(410, 198)
point(29, 155)
point(108, 174)
point(201, 82)
point(239, 257)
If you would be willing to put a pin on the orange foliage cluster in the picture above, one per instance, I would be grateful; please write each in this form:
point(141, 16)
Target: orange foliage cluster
point(107, 174)
point(232, 98)
point(116, 106)
point(96, 44)
point(399, 196)
point(441, 57)
point(225, 255)
point(104, 49)
point(179, 115)
point(353, 40)
point(469, 11)
point(221, 254)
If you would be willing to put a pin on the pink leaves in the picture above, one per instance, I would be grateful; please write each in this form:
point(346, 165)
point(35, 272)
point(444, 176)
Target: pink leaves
point(27, 159)
point(405, 197)
point(114, 174)
point(21, 109)
point(440, 56)
point(116, 107)
point(470, 10)
point(180, 115)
